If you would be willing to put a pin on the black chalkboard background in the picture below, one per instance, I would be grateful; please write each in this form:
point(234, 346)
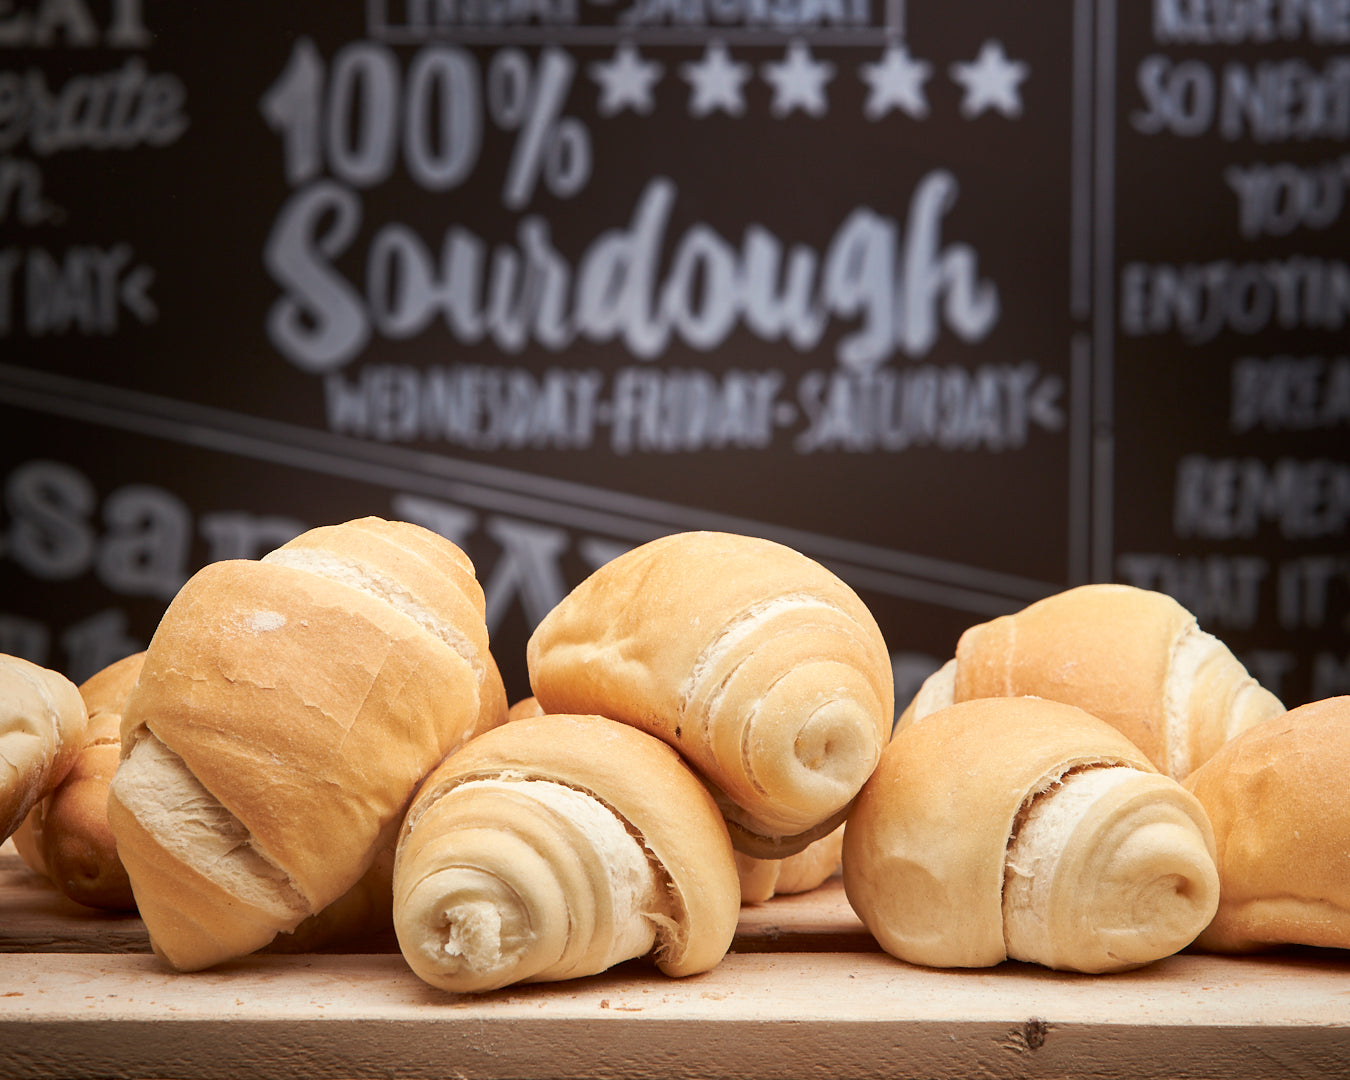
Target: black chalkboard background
point(896, 289)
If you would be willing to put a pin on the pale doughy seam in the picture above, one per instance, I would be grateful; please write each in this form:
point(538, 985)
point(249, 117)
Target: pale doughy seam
point(364, 578)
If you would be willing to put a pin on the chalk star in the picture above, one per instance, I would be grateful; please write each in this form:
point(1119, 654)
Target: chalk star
point(798, 81)
point(626, 81)
point(990, 81)
point(896, 82)
point(718, 82)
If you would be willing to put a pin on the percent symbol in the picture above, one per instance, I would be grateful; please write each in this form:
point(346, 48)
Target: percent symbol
point(548, 144)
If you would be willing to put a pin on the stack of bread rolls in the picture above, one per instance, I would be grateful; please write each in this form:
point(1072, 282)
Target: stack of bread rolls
point(320, 740)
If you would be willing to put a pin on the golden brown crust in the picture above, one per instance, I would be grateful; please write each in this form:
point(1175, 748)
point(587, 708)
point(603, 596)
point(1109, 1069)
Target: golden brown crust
point(42, 726)
point(1276, 797)
point(631, 773)
point(79, 852)
point(926, 846)
point(1133, 657)
point(305, 695)
point(764, 670)
point(527, 706)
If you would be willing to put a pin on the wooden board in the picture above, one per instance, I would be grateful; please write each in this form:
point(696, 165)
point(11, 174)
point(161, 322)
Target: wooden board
point(805, 992)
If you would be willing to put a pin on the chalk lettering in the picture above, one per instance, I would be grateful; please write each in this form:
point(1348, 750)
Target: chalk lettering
point(1275, 200)
point(1234, 498)
point(425, 15)
point(992, 408)
point(117, 110)
point(667, 411)
point(1270, 101)
point(21, 191)
point(1233, 22)
point(902, 289)
point(85, 290)
point(768, 14)
point(478, 407)
point(1279, 100)
point(1307, 588)
point(1200, 300)
point(1289, 393)
point(1219, 590)
point(70, 22)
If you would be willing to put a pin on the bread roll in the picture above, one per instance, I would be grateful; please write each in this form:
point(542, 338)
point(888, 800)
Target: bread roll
point(287, 710)
point(42, 725)
point(1277, 797)
point(555, 847)
point(66, 836)
point(527, 706)
point(1025, 828)
point(1132, 657)
point(810, 868)
point(764, 670)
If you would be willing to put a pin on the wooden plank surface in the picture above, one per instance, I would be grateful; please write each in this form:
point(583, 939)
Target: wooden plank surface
point(805, 993)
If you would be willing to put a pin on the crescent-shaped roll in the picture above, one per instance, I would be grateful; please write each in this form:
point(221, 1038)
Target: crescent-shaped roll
point(286, 712)
point(555, 847)
point(1277, 797)
point(66, 836)
point(43, 722)
point(810, 868)
point(761, 667)
point(1026, 829)
point(1133, 657)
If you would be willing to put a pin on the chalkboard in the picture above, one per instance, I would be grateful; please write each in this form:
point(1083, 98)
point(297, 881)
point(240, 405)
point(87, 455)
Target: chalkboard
point(969, 302)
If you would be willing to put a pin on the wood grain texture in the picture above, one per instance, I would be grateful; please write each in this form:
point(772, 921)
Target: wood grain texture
point(782, 1004)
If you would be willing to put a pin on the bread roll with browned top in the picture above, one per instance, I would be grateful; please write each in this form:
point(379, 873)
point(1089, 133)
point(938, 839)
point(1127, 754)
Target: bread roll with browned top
point(1026, 829)
point(66, 836)
point(1133, 657)
point(1277, 796)
point(42, 726)
point(762, 668)
point(287, 710)
point(555, 847)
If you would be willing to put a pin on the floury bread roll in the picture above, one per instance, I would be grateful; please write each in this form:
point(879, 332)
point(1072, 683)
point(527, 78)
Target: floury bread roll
point(1026, 829)
point(1277, 797)
point(66, 836)
point(1130, 656)
point(43, 722)
point(810, 868)
point(762, 668)
point(555, 847)
point(287, 710)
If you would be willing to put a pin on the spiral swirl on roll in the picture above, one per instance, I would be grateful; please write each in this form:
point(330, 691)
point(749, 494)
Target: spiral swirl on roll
point(556, 847)
point(761, 667)
point(1027, 829)
point(1110, 869)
